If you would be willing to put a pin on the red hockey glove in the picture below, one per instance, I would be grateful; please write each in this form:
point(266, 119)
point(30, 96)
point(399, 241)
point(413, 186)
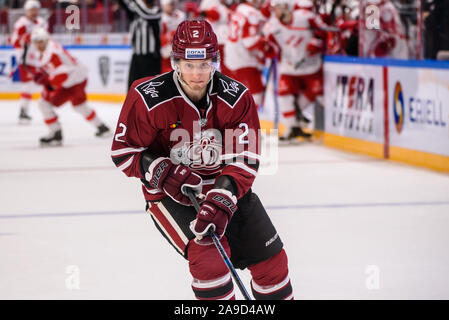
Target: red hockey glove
point(269, 50)
point(384, 47)
point(41, 77)
point(214, 215)
point(164, 175)
point(27, 38)
point(314, 46)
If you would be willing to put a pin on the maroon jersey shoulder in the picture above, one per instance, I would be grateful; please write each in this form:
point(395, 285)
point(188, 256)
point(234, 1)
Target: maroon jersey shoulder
point(228, 90)
point(157, 90)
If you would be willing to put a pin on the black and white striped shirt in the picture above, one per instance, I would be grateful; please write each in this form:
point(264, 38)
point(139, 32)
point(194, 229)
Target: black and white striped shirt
point(145, 26)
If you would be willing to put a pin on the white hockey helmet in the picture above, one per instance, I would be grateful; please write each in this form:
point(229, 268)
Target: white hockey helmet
point(167, 2)
point(39, 34)
point(304, 4)
point(31, 4)
point(286, 3)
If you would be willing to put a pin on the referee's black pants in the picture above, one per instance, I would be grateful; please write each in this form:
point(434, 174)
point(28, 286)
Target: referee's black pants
point(143, 65)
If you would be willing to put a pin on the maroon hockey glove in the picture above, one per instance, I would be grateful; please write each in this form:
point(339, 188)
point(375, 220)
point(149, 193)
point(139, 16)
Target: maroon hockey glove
point(172, 178)
point(214, 215)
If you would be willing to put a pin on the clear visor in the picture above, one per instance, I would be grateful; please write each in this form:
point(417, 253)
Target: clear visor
point(192, 66)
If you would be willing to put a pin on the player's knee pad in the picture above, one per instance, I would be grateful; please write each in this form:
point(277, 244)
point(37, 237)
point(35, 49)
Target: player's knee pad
point(46, 109)
point(288, 111)
point(287, 103)
point(211, 277)
point(27, 89)
point(270, 279)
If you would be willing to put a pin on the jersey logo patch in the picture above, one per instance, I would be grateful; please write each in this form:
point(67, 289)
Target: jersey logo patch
point(157, 90)
point(229, 90)
point(149, 88)
point(232, 87)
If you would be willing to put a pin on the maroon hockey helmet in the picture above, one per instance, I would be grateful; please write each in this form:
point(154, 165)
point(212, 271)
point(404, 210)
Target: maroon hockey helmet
point(195, 39)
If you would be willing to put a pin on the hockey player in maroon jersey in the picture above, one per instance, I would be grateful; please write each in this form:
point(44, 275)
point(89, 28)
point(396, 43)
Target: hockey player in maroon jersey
point(195, 127)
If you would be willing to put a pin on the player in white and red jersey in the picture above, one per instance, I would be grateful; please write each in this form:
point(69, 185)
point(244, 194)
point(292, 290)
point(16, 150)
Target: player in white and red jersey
point(246, 48)
point(388, 39)
point(300, 61)
point(344, 42)
point(195, 127)
point(63, 80)
point(217, 14)
point(19, 39)
point(170, 19)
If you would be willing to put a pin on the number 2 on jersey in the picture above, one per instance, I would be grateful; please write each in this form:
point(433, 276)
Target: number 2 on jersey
point(243, 138)
point(120, 134)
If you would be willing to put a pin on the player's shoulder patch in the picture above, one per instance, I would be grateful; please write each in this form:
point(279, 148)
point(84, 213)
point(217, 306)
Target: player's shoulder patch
point(228, 89)
point(157, 90)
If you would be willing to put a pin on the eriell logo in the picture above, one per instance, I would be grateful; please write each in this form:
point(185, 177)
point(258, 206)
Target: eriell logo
point(195, 53)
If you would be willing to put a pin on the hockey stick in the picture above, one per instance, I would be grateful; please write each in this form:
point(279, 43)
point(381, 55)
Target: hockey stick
point(268, 75)
point(221, 250)
point(275, 94)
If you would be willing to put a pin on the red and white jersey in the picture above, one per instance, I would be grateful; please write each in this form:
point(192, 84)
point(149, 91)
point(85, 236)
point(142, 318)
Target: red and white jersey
point(293, 41)
point(243, 45)
point(21, 35)
point(23, 28)
point(220, 139)
point(169, 24)
point(390, 30)
point(217, 14)
point(62, 68)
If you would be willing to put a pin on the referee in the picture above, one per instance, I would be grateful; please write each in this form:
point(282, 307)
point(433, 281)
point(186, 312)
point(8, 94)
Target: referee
point(145, 18)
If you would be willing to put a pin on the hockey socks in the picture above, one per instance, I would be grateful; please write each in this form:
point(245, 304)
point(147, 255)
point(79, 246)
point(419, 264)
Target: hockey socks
point(211, 278)
point(90, 115)
point(270, 280)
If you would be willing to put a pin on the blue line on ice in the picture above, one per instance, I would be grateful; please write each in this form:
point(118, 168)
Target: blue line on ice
point(268, 208)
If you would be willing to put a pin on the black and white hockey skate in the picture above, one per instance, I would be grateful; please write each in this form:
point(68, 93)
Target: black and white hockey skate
point(102, 131)
point(24, 117)
point(295, 132)
point(54, 139)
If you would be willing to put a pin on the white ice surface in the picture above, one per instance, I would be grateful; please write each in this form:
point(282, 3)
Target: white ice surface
point(354, 227)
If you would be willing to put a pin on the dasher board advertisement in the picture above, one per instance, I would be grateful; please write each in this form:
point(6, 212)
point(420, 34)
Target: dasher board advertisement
point(419, 109)
point(107, 68)
point(354, 100)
